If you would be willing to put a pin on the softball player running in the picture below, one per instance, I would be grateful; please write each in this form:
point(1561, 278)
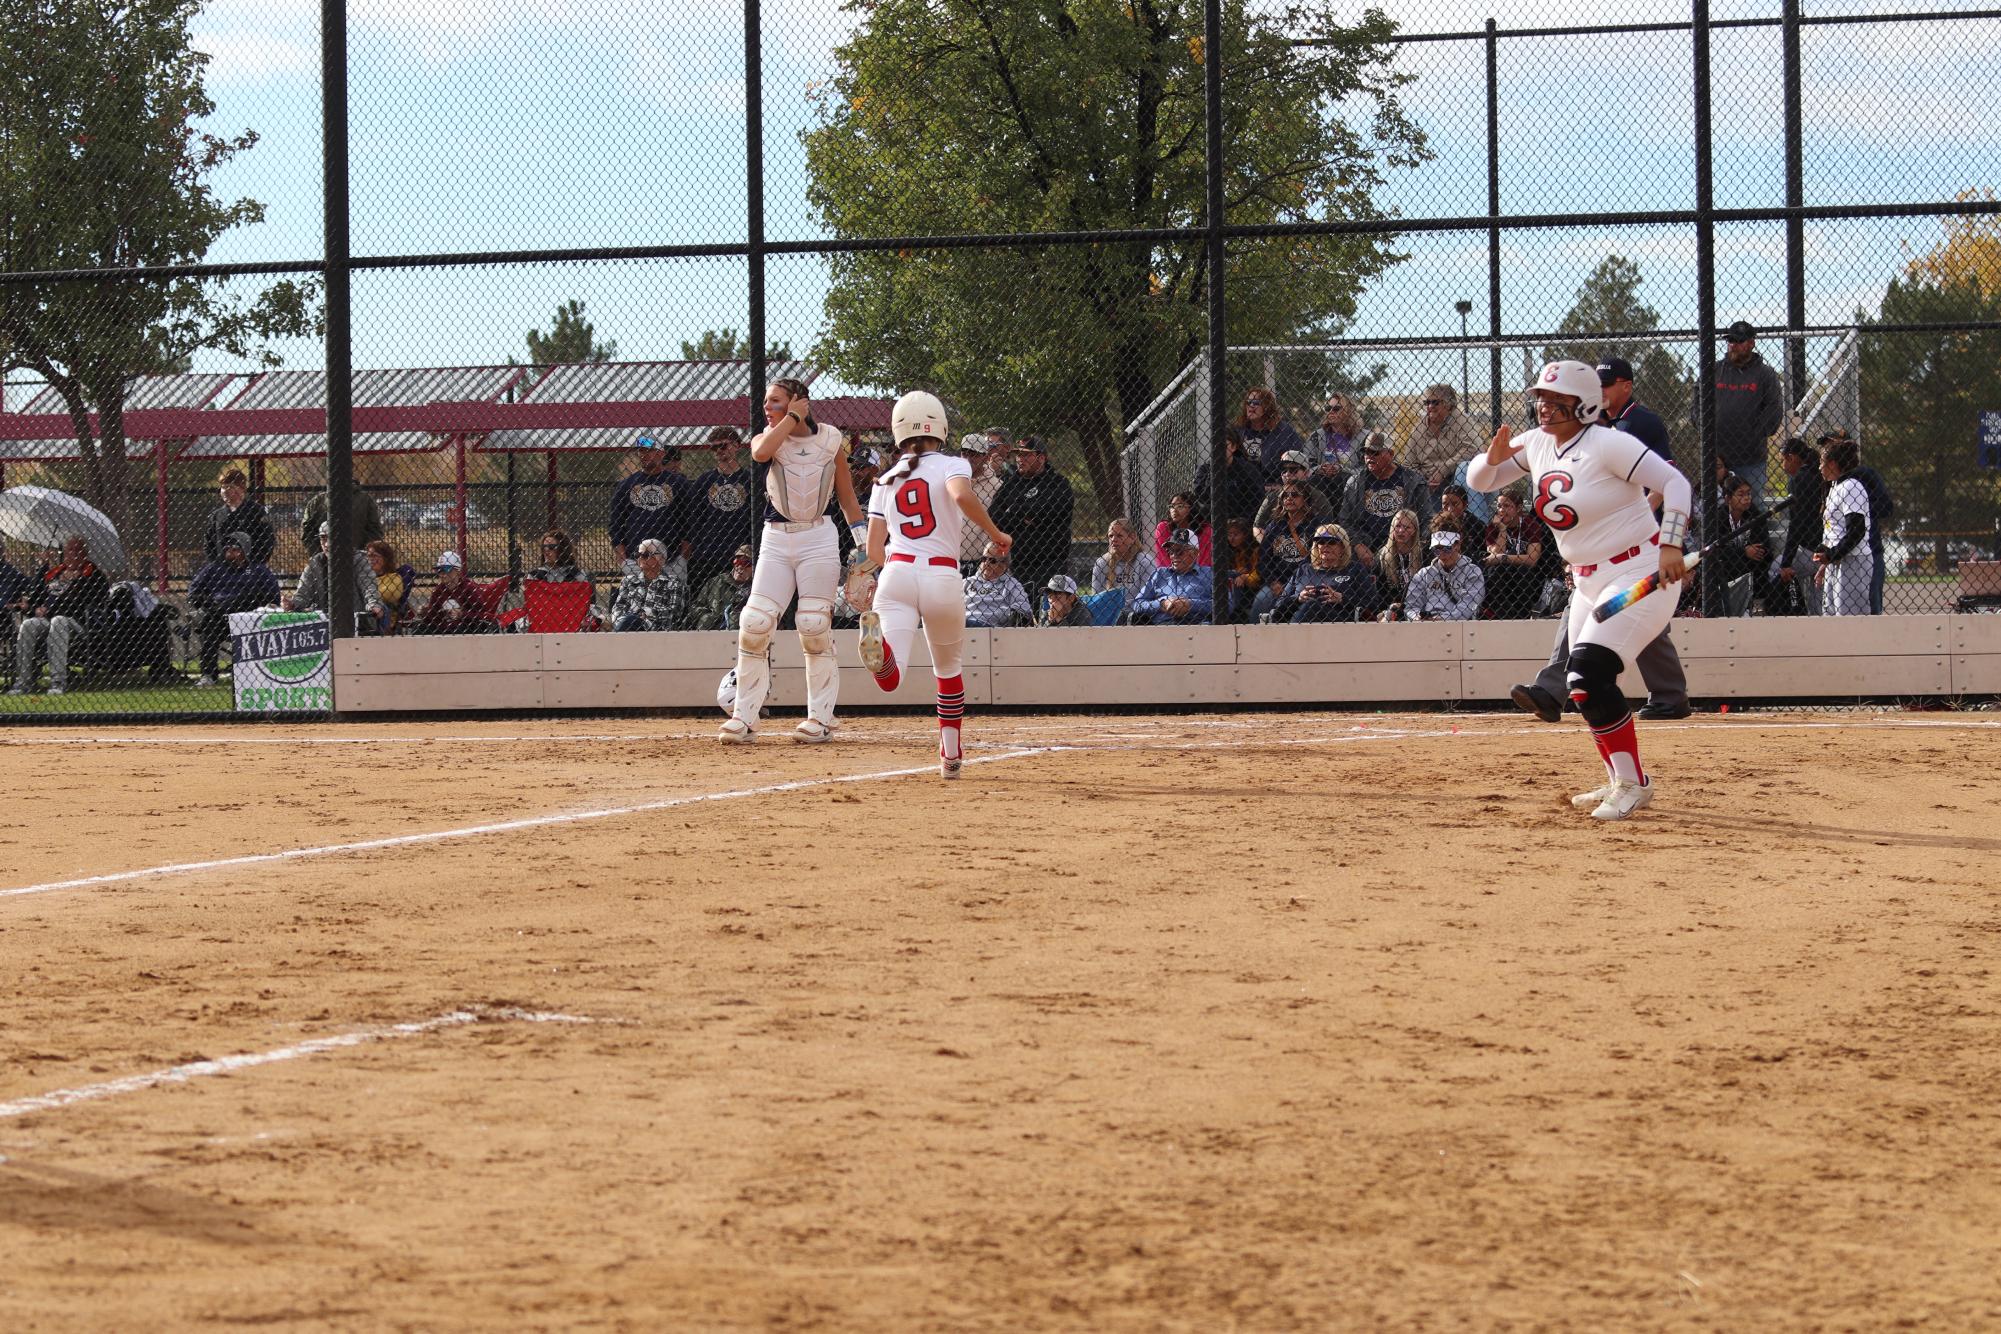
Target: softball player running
point(917, 514)
point(800, 553)
point(1591, 485)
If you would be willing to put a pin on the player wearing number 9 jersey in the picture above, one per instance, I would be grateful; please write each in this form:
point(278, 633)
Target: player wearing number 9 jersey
point(1590, 487)
point(916, 515)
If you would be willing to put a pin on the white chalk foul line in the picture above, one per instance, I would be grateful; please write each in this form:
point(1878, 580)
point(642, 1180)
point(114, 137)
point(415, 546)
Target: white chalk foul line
point(497, 827)
point(181, 1074)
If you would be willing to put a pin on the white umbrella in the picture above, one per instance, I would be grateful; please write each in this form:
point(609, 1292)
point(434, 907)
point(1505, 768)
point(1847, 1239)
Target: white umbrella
point(39, 515)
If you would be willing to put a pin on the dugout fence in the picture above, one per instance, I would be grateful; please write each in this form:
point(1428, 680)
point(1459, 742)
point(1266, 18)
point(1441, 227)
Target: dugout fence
point(1101, 229)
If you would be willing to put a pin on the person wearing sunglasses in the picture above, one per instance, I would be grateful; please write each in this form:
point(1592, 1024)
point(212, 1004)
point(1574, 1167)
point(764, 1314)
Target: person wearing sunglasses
point(1335, 445)
point(1443, 438)
point(1267, 435)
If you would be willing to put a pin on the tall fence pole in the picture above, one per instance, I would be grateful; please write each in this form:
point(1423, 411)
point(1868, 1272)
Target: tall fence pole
point(1494, 211)
point(753, 158)
point(1212, 80)
point(1795, 198)
point(1705, 267)
point(340, 329)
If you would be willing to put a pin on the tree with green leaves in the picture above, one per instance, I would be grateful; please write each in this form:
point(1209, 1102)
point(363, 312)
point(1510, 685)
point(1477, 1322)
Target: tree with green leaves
point(724, 345)
point(1923, 393)
point(572, 340)
point(1608, 302)
point(102, 166)
point(976, 116)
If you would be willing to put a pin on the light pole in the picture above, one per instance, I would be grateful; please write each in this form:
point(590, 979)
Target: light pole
point(1464, 308)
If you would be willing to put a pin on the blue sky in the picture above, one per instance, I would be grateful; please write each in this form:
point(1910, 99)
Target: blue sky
point(483, 124)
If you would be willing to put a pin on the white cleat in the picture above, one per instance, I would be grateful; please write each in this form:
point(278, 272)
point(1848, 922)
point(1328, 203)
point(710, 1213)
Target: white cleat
point(949, 765)
point(1592, 800)
point(1623, 800)
point(812, 732)
point(736, 732)
point(871, 646)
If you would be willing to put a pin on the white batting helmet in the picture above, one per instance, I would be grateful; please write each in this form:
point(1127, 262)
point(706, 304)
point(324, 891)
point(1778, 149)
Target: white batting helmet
point(1577, 380)
point(918, 414)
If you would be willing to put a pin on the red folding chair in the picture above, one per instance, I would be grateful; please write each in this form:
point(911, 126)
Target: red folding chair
point(553, 609)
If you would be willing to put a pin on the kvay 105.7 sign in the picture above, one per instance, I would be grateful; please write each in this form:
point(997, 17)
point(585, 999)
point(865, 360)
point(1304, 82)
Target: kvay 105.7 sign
point(283, 661)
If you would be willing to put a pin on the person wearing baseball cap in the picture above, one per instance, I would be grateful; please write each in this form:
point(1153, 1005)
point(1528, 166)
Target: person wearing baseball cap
point(1378, 491)
point(1062, 608)
point(1623, 412)
point(1750, 404)
point(981, 450)
point(1035, 507)
point(1451, 588)
point(1293, 466)
point(720, 600)
point(1179, 592)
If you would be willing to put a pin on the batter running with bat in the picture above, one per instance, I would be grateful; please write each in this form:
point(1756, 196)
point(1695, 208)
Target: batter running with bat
point(1590, 487)
point(917, 513)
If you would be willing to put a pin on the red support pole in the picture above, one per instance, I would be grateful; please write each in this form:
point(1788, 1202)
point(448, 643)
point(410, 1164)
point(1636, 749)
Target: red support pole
point(257, 480)
point(160, 454)
point(552, 490)
point(459, 495)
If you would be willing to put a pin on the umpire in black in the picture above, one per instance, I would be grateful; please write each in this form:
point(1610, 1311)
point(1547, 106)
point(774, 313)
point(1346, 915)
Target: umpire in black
point(1659, 664)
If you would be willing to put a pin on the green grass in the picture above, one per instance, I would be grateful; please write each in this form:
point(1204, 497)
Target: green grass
point(186, 698)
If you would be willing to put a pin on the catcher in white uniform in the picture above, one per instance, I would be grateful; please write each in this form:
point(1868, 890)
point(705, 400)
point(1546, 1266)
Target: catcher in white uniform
point(799, 553)
point(917, 514)
point(1591, 485)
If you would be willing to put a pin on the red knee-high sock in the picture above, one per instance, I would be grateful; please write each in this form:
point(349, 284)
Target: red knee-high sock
point(891, 676)
point(951, 709)
point(1620, 746)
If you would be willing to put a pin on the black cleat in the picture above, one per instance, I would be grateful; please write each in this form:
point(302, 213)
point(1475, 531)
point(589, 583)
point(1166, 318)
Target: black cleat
point(1665, 713)
point(1536, 700)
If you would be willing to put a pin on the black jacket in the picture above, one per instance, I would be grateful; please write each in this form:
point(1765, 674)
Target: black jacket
point(1035, 512)
point(79, 597)
point(1749, 406)
point(247, 518)
point(1243, 488)
point(1803, 504)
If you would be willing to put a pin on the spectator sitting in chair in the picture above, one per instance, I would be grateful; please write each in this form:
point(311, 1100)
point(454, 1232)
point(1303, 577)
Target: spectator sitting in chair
point(390, 585)
point(1184, 510)
point(1241, 555)
point(1401, 557)
point(1744, 551)
point(1243, 480)
point(1444, 437)
point(995, 597)
point(559, 560)
point(234, 583)
point(650, 598)
point(1180, 592)
point(56, 615)
point(315, 593)
point(1513, 563)
point(721, 599)
point(1378, 491)
point(1292, 472)
point(458, 606)
point(1124, 565)
point(1330, 586)
point(1063, 609)
point(1451, 588)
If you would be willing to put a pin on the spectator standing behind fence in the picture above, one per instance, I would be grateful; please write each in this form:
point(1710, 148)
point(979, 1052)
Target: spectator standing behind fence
point(1184, 510)
point(1061, 609)
point(719, 510)
point(978, 452)
point(314, 593)
point(1750, 404)
point(1124, 565)
point(1745, 553)
point(1806, 493)
point(1268, 436)
point(1240, 554)
point(366, 519)
point(1331, 586)
point(1399, 558)
point(238, 513)
point(652, 597)
point(1451, 588)
point(1287, 544)
point(1321, 505)
point(222, 587)
point(1513, 559)
point(1335, 445)
point(720, 601)
point(57, 612)
point(652, 501)
point(1376, 493)
point(1034, 507)
point(1444, 437)
point(1179, 593)
point(1243, 480)
point(458, 605)
point(994, 597)
point(1843, 554)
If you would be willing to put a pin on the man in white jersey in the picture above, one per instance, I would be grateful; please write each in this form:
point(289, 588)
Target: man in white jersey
point(1590, 489)
point(918, 513)
point(799, 553)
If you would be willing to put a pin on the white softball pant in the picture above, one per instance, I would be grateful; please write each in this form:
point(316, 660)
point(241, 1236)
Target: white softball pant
point(907, 594)
point(807, 563)
point(1639, 624)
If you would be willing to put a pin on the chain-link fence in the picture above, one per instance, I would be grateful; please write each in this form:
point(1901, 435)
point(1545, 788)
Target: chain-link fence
point(550, 261)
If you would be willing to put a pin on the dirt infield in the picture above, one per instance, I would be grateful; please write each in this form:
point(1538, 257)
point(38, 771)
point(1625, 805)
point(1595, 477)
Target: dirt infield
point(1255, 1022)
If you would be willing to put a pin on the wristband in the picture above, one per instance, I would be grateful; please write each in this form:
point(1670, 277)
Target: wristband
point(859, 531)
point(1674, 529)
